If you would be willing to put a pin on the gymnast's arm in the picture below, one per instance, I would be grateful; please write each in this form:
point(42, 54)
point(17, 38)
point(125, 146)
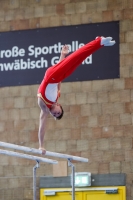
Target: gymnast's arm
point(64, 52)
point(42, 124)
point(59, 87)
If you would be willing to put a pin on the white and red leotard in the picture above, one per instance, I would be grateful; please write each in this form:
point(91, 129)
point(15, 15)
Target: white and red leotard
point(48, 89)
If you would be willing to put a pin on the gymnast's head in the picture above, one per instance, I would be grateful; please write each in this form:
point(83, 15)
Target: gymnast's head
point(57, 111)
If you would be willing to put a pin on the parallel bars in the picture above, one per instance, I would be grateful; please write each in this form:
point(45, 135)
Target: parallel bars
point(48, 153)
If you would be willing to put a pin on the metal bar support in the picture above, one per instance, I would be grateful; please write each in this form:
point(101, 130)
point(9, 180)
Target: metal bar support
point(34, 179)
point(72, 178)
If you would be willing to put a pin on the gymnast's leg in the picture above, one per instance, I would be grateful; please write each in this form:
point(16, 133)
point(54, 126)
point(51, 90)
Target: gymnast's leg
point(66, 67)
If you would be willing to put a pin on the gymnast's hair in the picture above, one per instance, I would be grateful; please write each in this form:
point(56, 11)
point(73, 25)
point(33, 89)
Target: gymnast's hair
point(58, 118)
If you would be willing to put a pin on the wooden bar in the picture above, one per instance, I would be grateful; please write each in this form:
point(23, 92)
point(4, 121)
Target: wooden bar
point(30, 157)
point(37, 151)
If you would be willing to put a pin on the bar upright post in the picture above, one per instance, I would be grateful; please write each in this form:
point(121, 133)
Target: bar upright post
point(72, 178)
point(34, 179)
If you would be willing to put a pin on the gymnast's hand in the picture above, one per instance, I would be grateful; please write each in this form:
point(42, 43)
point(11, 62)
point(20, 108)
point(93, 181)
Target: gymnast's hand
point(43, 150)
point(65, 50)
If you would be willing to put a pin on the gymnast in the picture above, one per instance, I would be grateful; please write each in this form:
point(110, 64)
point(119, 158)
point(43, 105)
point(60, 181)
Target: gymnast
point(49, 89)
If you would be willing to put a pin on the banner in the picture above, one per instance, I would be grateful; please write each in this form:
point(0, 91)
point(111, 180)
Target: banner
point(26, 55)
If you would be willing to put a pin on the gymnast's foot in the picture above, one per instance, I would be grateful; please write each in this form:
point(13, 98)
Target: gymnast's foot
point(107, 41)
